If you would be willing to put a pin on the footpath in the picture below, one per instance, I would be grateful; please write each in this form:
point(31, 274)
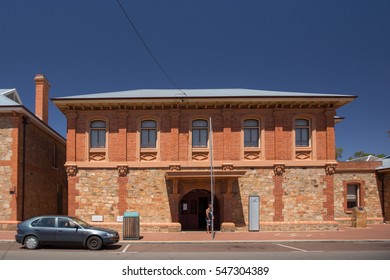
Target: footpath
point(376, 232)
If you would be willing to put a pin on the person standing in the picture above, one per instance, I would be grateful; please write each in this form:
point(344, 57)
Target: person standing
point(209, 217)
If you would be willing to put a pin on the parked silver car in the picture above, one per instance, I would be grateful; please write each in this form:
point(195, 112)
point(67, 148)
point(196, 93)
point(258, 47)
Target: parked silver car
point(63, 230)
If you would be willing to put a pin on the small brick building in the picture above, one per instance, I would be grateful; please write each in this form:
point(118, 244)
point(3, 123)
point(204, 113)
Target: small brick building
point(32, 156)
point(149, 151)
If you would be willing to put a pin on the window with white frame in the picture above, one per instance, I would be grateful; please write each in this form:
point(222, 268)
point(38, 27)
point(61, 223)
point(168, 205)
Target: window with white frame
point(251, 133)
point(302, 133)
point(200, 133)
point(148, 134)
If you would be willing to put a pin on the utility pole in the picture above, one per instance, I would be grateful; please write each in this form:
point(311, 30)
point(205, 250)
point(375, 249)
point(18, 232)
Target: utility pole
point(211, 178)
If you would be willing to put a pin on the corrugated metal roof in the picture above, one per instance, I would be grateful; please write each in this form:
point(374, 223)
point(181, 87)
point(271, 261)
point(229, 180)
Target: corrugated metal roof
point(9, 97)
point(197, 93)
point(385, 164)
point(366, 158)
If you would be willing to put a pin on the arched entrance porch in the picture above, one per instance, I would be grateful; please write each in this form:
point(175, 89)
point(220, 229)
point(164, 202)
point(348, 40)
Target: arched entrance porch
point(192, 210)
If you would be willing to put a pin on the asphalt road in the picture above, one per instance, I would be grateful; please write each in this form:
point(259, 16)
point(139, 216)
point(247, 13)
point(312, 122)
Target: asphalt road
point(318, 250)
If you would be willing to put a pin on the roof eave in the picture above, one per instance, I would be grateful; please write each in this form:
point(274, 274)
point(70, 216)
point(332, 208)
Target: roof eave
point(270, 101)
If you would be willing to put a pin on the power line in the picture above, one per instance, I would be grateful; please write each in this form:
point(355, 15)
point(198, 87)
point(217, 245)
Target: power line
point(148, 49)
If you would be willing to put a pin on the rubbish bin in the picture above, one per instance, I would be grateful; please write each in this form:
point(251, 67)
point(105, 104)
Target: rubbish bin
point(131, 225)
point(359, 217)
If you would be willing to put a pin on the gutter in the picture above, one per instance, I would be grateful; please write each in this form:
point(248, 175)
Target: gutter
point(25, 122)
point(383, 197)
point(382, 179)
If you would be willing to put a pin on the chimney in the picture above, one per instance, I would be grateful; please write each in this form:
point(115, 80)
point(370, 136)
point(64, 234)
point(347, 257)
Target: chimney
point(42, 87)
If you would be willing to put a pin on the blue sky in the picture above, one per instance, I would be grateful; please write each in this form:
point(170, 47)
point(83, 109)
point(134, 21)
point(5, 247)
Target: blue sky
point(324, 46)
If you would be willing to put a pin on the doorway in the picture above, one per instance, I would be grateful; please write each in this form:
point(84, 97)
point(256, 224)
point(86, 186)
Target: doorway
point(192, 210)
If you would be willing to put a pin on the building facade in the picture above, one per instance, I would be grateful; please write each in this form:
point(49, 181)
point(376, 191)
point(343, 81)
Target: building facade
point(32, 155)
point(163, 153)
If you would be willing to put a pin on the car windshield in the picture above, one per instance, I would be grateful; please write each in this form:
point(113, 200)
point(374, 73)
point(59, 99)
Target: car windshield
point(81, 222)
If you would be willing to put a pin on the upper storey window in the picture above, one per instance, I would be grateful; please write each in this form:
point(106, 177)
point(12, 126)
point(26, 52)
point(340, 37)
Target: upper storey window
point(251, 133)
point(97, 141)
point(148, 134)
point(302, 133)
point(98, 134)
point(200, 133)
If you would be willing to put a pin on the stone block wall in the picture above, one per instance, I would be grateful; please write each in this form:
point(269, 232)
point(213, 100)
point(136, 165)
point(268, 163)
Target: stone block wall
point(7, 174)
point(97, 194)
point(369, 196)
point(255, 182)
point(304, 198)
point(146, 193)
point(5, 139)
point(5, 195)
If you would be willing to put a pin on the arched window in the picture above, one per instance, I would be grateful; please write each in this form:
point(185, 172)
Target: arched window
point(148, 134)
point(97, 134)
point(200, 133)
point(302, 133)
point(251, 133)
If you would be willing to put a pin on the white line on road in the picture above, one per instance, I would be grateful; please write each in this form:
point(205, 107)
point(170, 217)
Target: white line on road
point(127, 246)
point(293, 248)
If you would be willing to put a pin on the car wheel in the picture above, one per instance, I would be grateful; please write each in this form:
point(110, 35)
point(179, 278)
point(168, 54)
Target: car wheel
point(31, 242)
point(94, 243)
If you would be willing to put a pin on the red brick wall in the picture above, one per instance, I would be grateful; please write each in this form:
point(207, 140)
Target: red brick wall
point(174, 126)
point(385, 183)
point(45, 181)
point(362, 174)
point(8, 174)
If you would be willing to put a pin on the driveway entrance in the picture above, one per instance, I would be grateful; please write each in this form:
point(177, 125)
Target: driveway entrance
point(192, 210)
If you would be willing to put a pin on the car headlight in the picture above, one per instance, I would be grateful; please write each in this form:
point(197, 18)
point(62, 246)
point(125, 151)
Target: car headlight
point(110, 234)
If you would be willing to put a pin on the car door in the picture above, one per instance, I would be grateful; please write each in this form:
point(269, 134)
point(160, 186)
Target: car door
point(68, 231)
point(45, 229)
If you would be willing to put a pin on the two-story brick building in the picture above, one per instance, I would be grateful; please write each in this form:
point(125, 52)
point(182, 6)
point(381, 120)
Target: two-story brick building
point(149, 151)
point(32, 156)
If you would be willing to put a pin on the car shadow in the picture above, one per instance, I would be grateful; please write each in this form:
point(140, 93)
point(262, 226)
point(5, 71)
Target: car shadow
point(74, 247)
point(135, 238)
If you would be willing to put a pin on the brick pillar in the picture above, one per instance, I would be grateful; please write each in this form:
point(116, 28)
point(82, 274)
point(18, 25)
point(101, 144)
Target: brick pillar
point(227, 203)
point(174, 200)
point(123, 171)
point(329, 192)
point(279, 145)
point(227, 130)
point(71, 136)
point(227, 208)
point(175, 117)
point(330, 135)
point(71, 171)
point(122, 136)
point(278, 192)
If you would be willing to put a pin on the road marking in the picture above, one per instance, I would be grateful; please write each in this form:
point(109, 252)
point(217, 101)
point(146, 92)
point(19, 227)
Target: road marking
point(124, 250)
point(293, 248)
